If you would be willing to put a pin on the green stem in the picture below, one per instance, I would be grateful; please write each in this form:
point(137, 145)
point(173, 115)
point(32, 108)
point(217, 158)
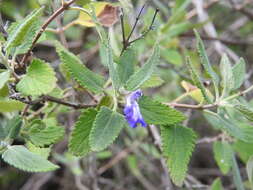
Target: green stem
point(238, 94)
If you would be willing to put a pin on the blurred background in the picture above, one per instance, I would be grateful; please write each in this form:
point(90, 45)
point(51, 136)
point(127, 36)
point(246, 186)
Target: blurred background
point(134, 162)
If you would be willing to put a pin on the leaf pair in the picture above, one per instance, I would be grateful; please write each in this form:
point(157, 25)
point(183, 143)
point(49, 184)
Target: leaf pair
point(95, 131)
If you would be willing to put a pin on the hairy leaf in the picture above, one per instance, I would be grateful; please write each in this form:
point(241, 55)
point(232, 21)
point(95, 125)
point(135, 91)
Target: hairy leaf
point(17, 36)
point(205, 61)
point(178, 143)
point(39, 79)
point(79, 141)
point(105, 129)
point(227, 75)
point(239, 72)
point(244, 150)
point(80, 73)
point(126, 65)
point(245, 110)
point(4, 77)
point(156, 113)
point(197, 81)
point(153, 81)
point(144, 73)
point(222, 155)
point(21, 158)
point(217, 185)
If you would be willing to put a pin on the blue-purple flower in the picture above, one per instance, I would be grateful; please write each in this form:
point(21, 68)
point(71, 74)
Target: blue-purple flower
point(132, 110)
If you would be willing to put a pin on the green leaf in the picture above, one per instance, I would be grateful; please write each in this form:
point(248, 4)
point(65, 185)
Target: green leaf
point(41, 135)
point(227, 75)
point(222, 155)
point(113, 72)
point(245, 110)
point(126, 65)
point(17, 36)
point(85, 77)
point(4, 77)
point(10, 105)
point(235, 129)
point(105, 129)
point(249, 169)
point(239, 72)
point(244, 150)
point(217, 185)
point(197, 81)
point(39, 79)
point(43, 152)
point(13, 127)
point(145, 72)
point(21, 158)
point(205, 62)
point(153, 81)
point(156, 113)
point(82, 2)
point(79, 141)
point(178, 143)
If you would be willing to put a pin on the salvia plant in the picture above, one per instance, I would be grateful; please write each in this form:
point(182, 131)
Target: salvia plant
point(31, 98)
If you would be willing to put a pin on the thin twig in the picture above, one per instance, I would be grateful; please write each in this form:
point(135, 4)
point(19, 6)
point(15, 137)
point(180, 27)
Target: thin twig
point(64, 7)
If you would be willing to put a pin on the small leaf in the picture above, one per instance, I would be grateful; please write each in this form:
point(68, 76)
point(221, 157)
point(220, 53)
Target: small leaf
point(4, 77)
point(43, 152)
point(21, 158)
point(39, 79)
point(197, 81)
point(105, 129)
point(10, 105)
point(217, 185)
point(227, 75)
point(80, 73)
point(244, 150)
point(13, 127)
point(222, 155)
point(45, 135)
point(17, 36)
point(113, 72)
point(156, 113)
point(145, 72)
point(126, 65)
point(245, 110)
point(205, 61)
point(79, 140)
point(178, 143)
point(239, 72)
point(154, 81)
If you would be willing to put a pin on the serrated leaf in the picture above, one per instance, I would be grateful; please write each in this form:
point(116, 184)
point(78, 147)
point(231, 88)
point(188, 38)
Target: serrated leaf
point(227, 75)
point(4, 77)
point(239, 72)
point(126, 64)
point(79, 141)
point(205, 62)
point(45, 135)
point(217, 185)
point(21, 158)
point(222, 155)
point(153, 81)
point(39, 79)
point(235, 129)
point(178, 143)
point(114, 75)
point(145, 72)
point(10, 105)
point(17, 36)
point(43, 152)
point(245, 110)
point(197, 81)
point(82, 74)
point(156, 113)
point(105, 129)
